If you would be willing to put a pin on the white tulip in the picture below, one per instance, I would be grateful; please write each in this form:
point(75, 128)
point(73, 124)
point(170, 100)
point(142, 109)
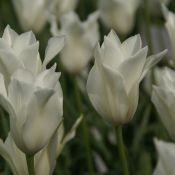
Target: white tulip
point(81, 38)
point(118, 14)
point(163, 97)
point(61, 7)
point(170, 26)
point(35, 106)
point(45, 160)
point(31, 14)
point(113, 82)
point(21, 51)
point(166, 151)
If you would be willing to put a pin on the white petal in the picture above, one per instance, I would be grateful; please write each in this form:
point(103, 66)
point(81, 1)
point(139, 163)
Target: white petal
point(17, 156)
point(29, 57)
point(23, 75)
point(107, 93)
point(54, 46)
point(91, 30)
point(111, 52)
point(24, 40)
point(166, 155)
point(48, 78)
point(70, 22)
point(2, 86)
point(131, 69)
point(151, 61)
point(46, 158)
point(165, 110)
point(131, 46)
point(9, 35)
point(44, 114)
point(8, 64)
point(4, 152)
point(133, 98)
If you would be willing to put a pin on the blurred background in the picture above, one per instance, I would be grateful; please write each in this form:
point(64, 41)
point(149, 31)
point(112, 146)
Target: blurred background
point(127, 18)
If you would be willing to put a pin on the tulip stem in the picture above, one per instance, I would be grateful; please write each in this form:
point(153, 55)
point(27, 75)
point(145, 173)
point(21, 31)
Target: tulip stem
point(30, 164)
point(84, 129)
point(121, 150)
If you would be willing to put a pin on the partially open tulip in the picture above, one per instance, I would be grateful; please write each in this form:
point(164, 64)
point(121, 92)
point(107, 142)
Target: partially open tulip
point(166, 152)
point(45, 159)
point(81, 38)
point(170, 26)
point(21, 51)
point(113, 82)
point(118, 14)
point(163, 97)
point(35, 106)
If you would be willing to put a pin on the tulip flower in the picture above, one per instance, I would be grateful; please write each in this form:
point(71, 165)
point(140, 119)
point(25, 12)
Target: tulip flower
point(166, 160)
point(31, 14)
point(61, 7)
point(113, 82)
point(170, 26)
point(45, 159)
point(21, 51)
point(118, 14)
point(163, 97)
point(35, 106)
point(81, 38)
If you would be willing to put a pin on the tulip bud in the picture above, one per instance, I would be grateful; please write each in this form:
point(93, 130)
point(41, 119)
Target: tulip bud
point(21, 51)
point(35, 106)
point(163, 97)
point(31, 14)
point(81, 38)
point(45, 159)
point(118, 14)
point(166, 151)
point(170, 26)
point(113, 82)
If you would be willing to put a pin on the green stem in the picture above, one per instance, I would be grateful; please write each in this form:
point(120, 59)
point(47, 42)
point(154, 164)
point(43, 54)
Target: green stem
point(30, 164)
point(147, 25)
point(121, 150)
point(84, 129)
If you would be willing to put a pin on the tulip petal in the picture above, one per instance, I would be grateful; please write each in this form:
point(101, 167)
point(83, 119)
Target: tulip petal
point(46, 158)
point(131, 69)
point(30, 58)
point(133, 98)
point(23, 41)
point(9, 36)
point(111, 52)
point(159, 96)
point(151, 61)
point(44, 114)
point(8, 158)
point(23, 75)
point(4, 45)
point(131, 46)
point(166, 156)
point(2, 86)
point(91, 33)
point(55, 45)
point(48, 78)
point(159, 169)
point(107, 93)
point(8, 64)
